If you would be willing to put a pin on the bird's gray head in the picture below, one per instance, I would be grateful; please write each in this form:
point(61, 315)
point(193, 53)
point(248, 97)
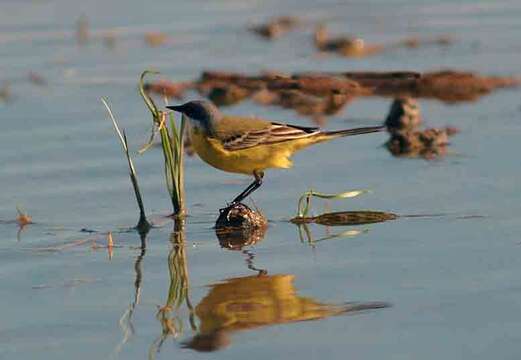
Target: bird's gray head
point(202, 113)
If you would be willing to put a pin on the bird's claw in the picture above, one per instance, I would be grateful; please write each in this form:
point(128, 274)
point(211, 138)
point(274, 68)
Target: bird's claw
point(228, 205)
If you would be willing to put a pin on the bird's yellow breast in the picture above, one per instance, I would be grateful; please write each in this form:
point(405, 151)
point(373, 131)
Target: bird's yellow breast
point(244, 161)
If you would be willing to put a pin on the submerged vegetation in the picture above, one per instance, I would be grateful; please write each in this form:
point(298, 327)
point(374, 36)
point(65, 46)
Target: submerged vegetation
point(339, 218)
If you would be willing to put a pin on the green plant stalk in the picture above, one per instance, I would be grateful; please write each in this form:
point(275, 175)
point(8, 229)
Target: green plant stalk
point(180, 151)
point(143, 225)
point(303, 208)
point(172, 146)
point(170, 170)
point(148, 101)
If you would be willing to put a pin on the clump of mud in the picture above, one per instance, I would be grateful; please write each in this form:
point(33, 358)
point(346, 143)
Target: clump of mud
point(321, 94)
point(275, 27)
point(238, 226)
point(403, 124)
point(169, 89)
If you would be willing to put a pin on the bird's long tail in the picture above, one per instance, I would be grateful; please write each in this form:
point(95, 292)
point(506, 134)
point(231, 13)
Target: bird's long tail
point(350, 132)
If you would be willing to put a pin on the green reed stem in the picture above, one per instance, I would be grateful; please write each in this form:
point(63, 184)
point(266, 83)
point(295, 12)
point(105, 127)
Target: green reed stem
point(304, 202)
point(143, 225)
point(172, 145)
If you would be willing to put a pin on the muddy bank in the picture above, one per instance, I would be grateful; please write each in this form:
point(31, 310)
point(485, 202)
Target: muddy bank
point(320, 94)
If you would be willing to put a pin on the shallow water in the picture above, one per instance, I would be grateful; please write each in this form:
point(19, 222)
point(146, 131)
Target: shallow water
point(452, 280)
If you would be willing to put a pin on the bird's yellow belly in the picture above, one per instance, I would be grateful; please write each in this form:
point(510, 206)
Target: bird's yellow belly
point(244, 161)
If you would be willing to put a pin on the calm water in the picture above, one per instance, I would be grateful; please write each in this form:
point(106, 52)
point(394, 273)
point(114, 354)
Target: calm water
point(453, 280)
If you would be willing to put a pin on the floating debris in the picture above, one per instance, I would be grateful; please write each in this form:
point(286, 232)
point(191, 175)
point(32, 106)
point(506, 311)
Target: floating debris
point(429, 143)
point(340, 218)
point(416, 42)
point(5, 92)
point(110, 245)
point(156, 39)
point(406, 139)
point(37, 79)
point(109, 40)
point(347, 46)
point(355, 47)
point(82, 30)
point(23, 218)
point(343, 218)
point(276, 27)
point(337, 218)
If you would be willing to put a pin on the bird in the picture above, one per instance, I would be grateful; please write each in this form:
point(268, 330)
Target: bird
point(249, 145)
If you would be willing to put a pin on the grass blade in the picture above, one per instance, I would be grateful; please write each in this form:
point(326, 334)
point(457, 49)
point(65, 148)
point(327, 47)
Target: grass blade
point(143, 224)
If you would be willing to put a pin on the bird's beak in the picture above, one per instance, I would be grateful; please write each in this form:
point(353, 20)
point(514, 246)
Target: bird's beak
point(178, 108)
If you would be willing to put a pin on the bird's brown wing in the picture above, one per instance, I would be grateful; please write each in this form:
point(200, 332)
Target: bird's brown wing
point(237, 134)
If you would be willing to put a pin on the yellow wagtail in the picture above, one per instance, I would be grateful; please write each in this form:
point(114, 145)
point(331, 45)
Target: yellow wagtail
point(250, 145)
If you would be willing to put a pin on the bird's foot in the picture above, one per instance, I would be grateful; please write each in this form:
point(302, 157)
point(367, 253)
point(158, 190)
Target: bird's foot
point(228, 206)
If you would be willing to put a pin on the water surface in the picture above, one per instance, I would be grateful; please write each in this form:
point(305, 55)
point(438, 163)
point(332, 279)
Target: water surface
point(452, 280)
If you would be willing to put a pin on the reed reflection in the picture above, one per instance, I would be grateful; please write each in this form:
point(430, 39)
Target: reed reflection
point(125, 322)
point(170, 315)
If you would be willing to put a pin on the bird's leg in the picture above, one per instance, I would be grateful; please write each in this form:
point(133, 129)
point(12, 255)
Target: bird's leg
point(251, 188)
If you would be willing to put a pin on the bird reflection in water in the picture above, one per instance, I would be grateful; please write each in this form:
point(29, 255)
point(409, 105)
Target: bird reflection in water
point(236, 304)
point(251, 302)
